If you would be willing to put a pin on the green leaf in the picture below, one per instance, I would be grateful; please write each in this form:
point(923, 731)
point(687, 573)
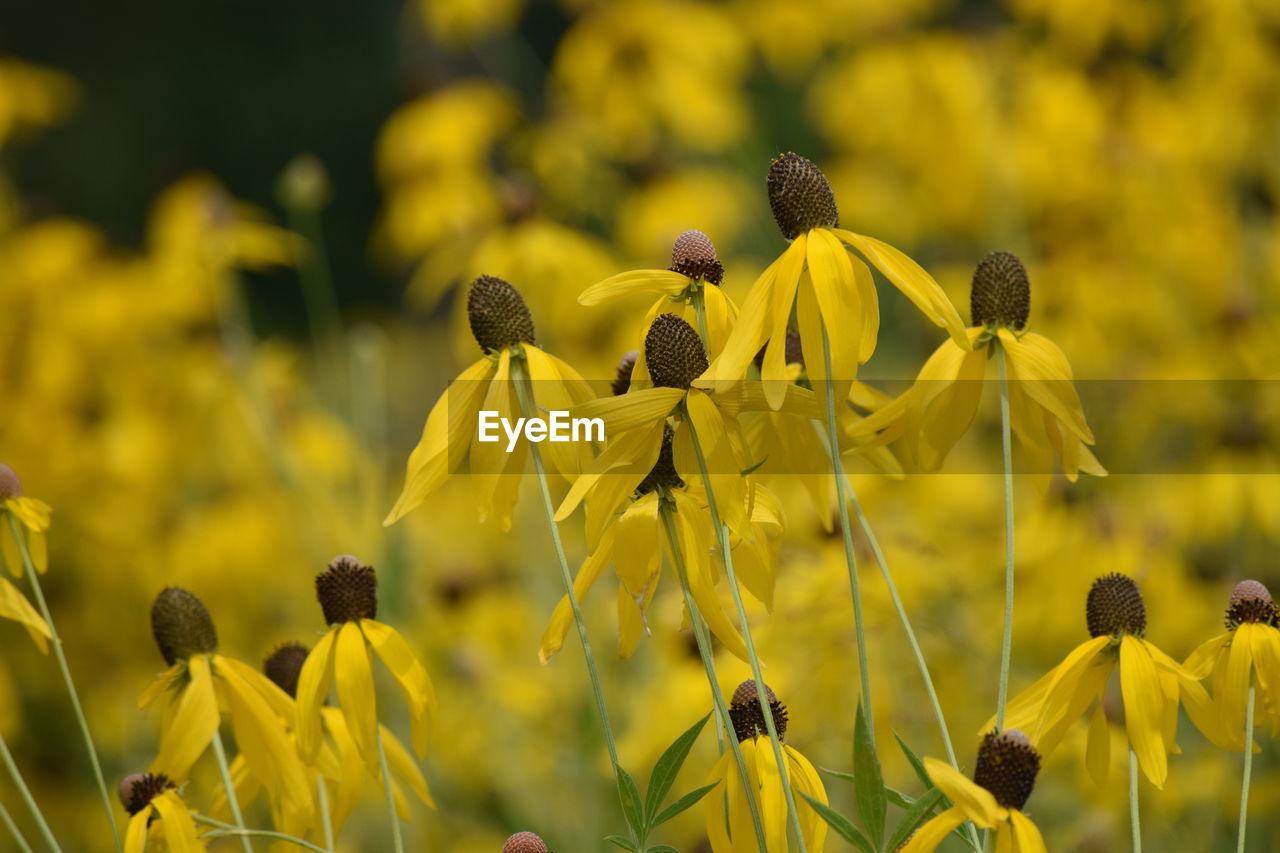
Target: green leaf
point(839, 774)
point(681, 804)
point(624, 843)
point(668, 766)
point(662, 848)
point(916, 763)
point(841, 824)
point(899, 799)
point(919, 811)
point(630, 797)
point(868, 785)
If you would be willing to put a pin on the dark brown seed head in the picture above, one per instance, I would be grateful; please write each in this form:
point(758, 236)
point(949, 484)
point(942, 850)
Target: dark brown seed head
point(498, 316)
point(1114, 607)
point(622, 382)
point(1250, 602)
point(795, 352)
point(524, 842)
point(1001, 292)
point(181, 625)
point(138, 789)
point(10, 485)
point(744, 712)
point(663, 474)
point(284, 665)
point(800, 196)
point(1007, 767)
point(694, 255)
point(674, 353)
point(348, 591)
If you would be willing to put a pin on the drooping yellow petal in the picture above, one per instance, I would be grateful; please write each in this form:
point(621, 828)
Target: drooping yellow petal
point(1143, 708)
point(354, 678)
point(805, 779)
point(634, 281)
point(135, 837)
point(945, 407)
point(617, 471)
point(352, 781)
point(445, 438)
point(628, 411)
point(1200, 662)
point(14, 605)
point(409, 673)
point(551, 393)
point(38, 549)
point(1065, 697)
point(772, 798)
point(1097, 756)
point(773, 370)
point(1238, 676)
point(1266, 669)
point(715, 804)
point(1042, 371)
point(489, 459)
point(1026, 836)
point(402, 765)
point(314, 682)
point(693, 533)
point(722, 466)
point(179, 828)
point(934, 831)
point(194, 723)
point(562, 617)
point(721, 317)
point(836, 291)
point(972, 799)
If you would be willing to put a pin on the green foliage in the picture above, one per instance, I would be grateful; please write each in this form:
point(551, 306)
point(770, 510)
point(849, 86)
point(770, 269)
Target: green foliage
point(643, 816)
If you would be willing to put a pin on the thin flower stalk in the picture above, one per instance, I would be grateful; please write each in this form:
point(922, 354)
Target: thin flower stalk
point(708, 663)
point(18, 839)
point(226, 830)
point(56, 642)
point(326, 819)
point(1135, 819)
point(397, 841)
point(722, 536)
point(1248, 769)
point(233, 802)
point(1006, 443)
point(32, 805)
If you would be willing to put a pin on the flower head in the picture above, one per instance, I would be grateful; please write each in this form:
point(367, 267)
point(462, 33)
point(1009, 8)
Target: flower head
point(284, 665)
point(524, 842)
point(153, 797)
point(498, 315)
point(23, 523)
point(800, 196)
point(1001, 293)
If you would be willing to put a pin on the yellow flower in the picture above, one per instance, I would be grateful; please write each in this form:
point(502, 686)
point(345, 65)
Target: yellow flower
point(634, 541)
point(1002, 782)
point(829, 288)
point(1151, 684)
point(156, 810)
point(1045, 411)
point(729, 798)
point(694, 270)
point(199, 685)
point(502, 326)
point(32, 96)
point(14, 605)
point(348, 594)
point(1247, 652)
point(353, 771)
point(32, 521)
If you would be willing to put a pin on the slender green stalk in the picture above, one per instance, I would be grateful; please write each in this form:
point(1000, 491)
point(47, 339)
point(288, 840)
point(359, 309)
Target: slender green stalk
point(7, 758)
point(396, 841)
point(762, 696)
point(1135, 820)
point(1248, 769)
point(524, 392)
point(226, 830)
point(700, 314)
point(708, 663)
point(7, 820)
point(233, 802)
point(1006, 441)
point(326, 820)
point(846, 532)
point(56, 641)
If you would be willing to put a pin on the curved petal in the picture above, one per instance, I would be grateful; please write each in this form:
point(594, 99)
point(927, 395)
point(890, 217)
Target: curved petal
point(934, 831)
point(628, 411)
point(772, 799)
point(179, 828)
point(976, 802)
point(562, 617)
point(402, 765)
point(14, 605)
point(773, 370)
point(1097, 756)
point(313, 688)
point(354, 678)
point(715, 805)
point(1044, 374)
point(1200, 662)
point(135, 837)
point(408, 672)
point(634, 281)
point(837, 296)
point(1143, 708)
point(1238, 675)
point(1026, 835)
point(806, 779)
point(194, 723)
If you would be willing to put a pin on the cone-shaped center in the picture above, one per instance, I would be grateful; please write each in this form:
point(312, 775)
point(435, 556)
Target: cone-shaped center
point(1250, 602)
point(181, 625)
point(284, 665)
point(794, 351)
point(744, 712)
point(1001, 294)
point(524, 842)
point(800, 196)
point(139, 789)
point(347, 590)
point(694, 255)
point(674, 353)
point(1007, 767)
point(10, 485)
point(622, 381)
point(663, 474)
point(1115, 607)
point(498, 315)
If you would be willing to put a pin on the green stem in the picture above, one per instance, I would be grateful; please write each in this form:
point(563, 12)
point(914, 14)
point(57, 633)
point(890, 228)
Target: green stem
point(708, 664)
point(1248, 769)
point(7, 820)
point(846, 531)
point(700, 314)
point(233, 802)
point(762, 695)
point(226, 830)
point(396, 841)
point(1006, 441)
point(56, 641)
point(21, 784)
point(524, 392)
point(1135, 819)
point(326, 821)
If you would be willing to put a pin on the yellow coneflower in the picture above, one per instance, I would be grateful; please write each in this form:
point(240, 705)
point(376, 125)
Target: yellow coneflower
point(729, 797)
point(156, 811)
point(1151, 684)
point(633, 543)
point(199, 685)
point(1246, 655)
point(1045, 411)
point(695, 272)
point(32, 521)
point(13, 604)
point(348, 595)
point(524, 842)
point(1002, 782)
point(503, 327)
point(831, 290)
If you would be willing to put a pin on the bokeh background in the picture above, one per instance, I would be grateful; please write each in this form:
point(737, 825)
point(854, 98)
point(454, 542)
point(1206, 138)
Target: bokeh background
point(216, 352)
